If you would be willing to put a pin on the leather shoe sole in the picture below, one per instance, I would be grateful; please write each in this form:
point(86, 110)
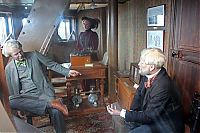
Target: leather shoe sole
point(57, 104)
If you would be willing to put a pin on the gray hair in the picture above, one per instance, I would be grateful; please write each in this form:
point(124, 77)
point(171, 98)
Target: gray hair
point(9, 45)
point(153, 56)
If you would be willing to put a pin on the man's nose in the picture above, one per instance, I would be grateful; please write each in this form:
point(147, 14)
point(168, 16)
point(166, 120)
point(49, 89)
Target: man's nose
point(139, 63)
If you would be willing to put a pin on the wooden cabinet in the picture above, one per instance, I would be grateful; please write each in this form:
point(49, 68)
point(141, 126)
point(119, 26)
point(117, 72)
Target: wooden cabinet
point(125, 92)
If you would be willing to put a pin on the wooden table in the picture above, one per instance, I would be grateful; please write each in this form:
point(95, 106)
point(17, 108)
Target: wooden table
point(98, 71)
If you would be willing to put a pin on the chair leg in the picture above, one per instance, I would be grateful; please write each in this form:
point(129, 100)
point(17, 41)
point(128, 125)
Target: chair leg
point(50, 119)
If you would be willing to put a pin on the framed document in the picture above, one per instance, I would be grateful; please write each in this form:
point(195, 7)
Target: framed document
point(134, 75)
point(155, 16)
point(155, 39)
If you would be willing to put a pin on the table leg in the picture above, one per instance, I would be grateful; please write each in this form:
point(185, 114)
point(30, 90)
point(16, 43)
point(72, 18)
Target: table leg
point(102, 87)
point(69, 88)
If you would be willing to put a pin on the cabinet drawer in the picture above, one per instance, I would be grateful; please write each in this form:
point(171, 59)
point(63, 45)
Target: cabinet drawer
point(92, 72)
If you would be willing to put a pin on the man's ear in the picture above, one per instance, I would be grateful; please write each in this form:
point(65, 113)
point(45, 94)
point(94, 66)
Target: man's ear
point(152, 67)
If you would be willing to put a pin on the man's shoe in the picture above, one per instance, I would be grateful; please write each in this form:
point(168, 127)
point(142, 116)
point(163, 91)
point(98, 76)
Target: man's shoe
point(57, 104)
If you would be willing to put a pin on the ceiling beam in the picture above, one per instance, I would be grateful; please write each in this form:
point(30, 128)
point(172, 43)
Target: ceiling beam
point(89, 1)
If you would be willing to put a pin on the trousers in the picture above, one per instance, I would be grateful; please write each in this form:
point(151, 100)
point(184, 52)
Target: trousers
point(40, 107)
point(135, 127)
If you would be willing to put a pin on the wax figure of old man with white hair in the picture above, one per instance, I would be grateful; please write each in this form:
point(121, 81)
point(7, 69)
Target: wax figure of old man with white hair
point(156, 107)
point(29, 88)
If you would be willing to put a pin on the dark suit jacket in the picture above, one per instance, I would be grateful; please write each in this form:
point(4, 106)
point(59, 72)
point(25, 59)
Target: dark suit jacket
point(158, 106)
point(35, 60)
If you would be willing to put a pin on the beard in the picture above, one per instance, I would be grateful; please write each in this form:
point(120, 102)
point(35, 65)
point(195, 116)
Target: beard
point(144, 72)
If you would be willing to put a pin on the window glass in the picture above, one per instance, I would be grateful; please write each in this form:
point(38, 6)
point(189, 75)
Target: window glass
point(6, 26)
point(66, 29)
point(24, 21)
point(10, 24)
point(3, 33)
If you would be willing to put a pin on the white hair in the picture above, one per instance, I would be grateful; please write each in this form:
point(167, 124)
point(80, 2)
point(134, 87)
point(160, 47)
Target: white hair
point(9, 45)
point(153, 56)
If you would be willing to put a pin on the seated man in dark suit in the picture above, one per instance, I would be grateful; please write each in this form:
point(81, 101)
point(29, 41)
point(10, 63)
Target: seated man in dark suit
point(29, 88)
point(156, 107)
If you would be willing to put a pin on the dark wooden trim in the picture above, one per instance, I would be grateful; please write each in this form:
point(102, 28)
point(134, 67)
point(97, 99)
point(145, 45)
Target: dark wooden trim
point(4, 88)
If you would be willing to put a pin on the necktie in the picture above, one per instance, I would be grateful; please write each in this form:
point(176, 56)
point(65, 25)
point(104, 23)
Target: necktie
point(149, 82)
point(21, 63)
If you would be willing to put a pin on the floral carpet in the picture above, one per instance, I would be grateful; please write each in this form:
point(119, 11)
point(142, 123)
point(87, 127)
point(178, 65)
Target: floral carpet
point(92, 123)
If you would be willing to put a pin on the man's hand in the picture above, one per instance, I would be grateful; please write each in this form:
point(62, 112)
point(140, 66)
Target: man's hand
point(113, 110)
point(74, 73)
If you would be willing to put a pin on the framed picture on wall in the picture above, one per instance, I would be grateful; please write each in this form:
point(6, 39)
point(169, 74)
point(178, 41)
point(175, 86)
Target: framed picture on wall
point(134, 75)
point(155, 16)
point(155, 39)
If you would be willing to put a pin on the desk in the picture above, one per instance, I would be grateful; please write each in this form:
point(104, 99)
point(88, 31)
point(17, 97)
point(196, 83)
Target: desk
point(98, 71)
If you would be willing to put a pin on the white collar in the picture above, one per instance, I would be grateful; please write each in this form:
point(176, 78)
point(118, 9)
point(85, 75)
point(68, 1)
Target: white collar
point(19, 61)
point(152, 75)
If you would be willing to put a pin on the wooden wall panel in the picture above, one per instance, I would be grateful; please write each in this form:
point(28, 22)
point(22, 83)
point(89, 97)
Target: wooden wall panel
point(186, 75)
point(185, 46)
point(166, 28)
point(188, 25)
point(132, 32)
point(4, 88)
point(131, 29)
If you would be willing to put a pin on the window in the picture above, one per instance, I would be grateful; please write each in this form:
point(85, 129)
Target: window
point(66, 29)
point(6, 26)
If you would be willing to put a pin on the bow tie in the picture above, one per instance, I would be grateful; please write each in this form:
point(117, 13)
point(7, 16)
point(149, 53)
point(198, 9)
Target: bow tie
point(149, 82)
point(21, 63)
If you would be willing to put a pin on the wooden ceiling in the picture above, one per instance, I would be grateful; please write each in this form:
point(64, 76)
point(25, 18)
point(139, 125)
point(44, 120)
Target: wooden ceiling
point(96, 1)
point(72, 1)
point(75, 4)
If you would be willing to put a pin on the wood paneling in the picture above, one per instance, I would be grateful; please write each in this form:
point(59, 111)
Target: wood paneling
point(187, 76)
point(188, 24)
point(125, 93)
point(184, 64)
point(132, 26)
point(112, 45)
point(131, 32)
point(4, 88)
